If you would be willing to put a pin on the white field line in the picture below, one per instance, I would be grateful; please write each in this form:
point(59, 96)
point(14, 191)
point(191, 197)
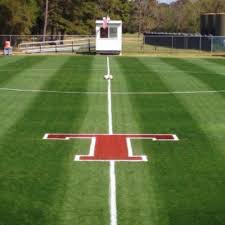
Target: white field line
point(113, 208)
point(102, 69)
point(112, 93)
point(92, 148)
point(54, 69)
point(108, 66)
point(112, 177)
point(182, 71)
point(168, 92)
point(54, 91)
point(109, 108)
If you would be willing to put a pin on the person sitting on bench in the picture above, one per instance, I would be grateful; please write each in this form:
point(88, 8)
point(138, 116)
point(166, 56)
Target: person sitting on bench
point(7, 48)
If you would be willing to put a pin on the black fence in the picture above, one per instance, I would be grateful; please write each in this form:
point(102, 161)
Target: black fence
point(180, 41)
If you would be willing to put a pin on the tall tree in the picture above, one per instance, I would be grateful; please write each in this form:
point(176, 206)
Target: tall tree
point(17, 16)
point(145, 15)
point(46, 20)
point(213, 6)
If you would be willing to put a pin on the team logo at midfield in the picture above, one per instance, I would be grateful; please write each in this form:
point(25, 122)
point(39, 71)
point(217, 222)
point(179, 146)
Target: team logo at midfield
point(108, 147)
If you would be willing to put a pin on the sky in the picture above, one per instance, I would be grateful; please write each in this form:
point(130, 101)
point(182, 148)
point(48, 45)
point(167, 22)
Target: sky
point(166, 1)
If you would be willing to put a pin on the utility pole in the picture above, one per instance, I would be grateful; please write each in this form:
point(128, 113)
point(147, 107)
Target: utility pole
point(46, 20)
point(139, 25)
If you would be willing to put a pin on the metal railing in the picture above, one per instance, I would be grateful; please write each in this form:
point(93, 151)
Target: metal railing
point(35, 43)
point(73, 45)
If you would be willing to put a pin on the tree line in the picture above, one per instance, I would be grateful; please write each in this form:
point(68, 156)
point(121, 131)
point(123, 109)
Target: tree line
point(60, 17)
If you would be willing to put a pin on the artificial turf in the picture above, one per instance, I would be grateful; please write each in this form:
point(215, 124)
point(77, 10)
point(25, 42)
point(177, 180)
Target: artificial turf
point(181, 184)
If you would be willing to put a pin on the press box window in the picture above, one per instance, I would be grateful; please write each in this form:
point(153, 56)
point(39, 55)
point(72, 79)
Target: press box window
point(108, 33)
point(113, 32)
point(104, 32)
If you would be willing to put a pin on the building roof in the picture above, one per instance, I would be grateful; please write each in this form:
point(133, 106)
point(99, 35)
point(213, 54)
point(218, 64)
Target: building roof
point(213, 14)
point(110, 22)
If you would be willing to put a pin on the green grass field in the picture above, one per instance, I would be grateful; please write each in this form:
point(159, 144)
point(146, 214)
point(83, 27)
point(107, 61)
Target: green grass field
point(183, 183)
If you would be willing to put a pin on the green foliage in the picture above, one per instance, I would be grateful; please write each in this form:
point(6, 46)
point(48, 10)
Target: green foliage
point(17, 16)
point(78, 17)
point(207, 6)
point(183, 15)
point(84, 15)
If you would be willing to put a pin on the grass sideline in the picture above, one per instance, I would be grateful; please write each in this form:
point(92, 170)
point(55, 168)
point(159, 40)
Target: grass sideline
point(183, 182)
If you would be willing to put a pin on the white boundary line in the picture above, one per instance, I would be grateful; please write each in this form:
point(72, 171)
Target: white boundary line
point(108, 66)
point(102, 69)
point(91, 150)
point(112, 93)
point(53, 91)
point(112, 175)
point(130, 151)
point(168, 92)
point(110, 108)
point(113, 207)
point(128, 134)
point(54, 69)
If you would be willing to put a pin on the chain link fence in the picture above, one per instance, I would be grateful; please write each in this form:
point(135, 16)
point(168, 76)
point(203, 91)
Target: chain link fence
point(186, 43)
point(132, 44)
point(173, 44)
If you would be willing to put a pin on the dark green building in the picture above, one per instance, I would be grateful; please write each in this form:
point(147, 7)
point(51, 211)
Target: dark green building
point(213, 24)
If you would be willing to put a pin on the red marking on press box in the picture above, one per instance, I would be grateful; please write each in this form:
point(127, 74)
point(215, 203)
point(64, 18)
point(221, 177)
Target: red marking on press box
point(115, 147)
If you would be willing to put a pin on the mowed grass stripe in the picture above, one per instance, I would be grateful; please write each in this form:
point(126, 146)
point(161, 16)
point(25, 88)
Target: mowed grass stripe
point(144, 79)
point(206, 75)
point(217, 62)
point(121, 107)
point(72, 80)
point(29, 77)
point(207, 110)
point(98, 83)
point(21, 64)
point(183, 182)
point(137, 201)
point(86, 199)
point(14, 172)
point(14, 105)
point(180, 81)
point(212, 65)
point(7, 60)
point(34, 172)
